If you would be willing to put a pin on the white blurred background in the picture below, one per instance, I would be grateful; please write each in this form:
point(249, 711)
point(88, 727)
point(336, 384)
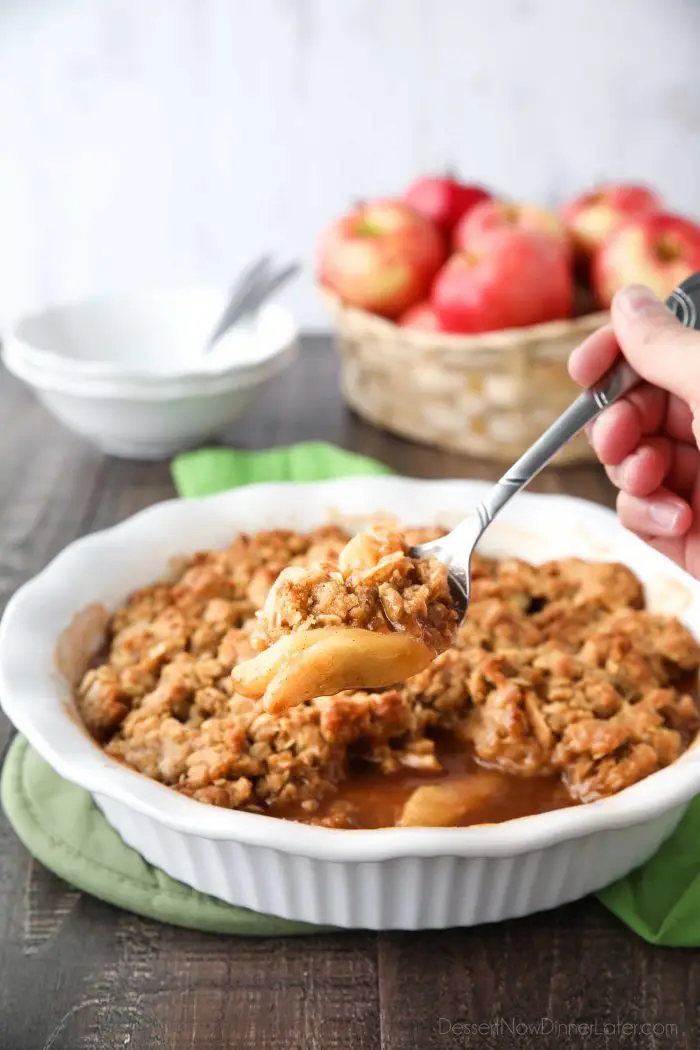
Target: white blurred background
point(168, 141)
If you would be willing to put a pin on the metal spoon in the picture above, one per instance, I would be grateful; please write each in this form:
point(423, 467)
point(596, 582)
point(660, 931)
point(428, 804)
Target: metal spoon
point(456, 548)
point(256, 284)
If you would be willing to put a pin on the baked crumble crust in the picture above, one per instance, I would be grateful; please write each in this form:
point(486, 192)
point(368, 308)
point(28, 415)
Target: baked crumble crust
point(558, 669)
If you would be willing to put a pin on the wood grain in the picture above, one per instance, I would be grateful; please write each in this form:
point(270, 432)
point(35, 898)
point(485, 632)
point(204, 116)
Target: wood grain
point(76, 974)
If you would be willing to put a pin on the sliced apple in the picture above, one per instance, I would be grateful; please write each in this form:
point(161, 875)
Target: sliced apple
point(329, 660)
point(444, 805)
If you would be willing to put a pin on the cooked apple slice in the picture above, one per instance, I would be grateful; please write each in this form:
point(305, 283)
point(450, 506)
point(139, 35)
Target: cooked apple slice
point(444, 805)
point(251, 677)
point(328, 660)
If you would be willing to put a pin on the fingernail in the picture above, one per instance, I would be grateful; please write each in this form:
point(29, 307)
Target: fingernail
point(665, 515)
point(637, 299)
point(588, 431)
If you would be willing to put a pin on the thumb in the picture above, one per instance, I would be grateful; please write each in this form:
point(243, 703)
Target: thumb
point(656, 344)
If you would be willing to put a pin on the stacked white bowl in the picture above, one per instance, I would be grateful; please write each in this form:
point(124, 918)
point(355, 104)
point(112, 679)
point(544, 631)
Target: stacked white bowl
point(129, 373)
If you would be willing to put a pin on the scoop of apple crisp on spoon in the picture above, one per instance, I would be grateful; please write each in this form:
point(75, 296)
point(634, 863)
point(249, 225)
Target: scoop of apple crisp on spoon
point(380, 616)
point(389, 608)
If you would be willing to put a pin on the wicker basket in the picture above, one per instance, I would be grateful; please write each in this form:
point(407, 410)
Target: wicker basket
point(486, 395)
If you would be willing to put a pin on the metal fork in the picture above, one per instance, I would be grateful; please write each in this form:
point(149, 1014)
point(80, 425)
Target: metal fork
point(456, 548)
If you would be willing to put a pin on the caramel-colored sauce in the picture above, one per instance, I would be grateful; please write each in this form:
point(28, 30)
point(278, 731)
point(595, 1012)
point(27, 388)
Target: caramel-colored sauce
point(368, 798)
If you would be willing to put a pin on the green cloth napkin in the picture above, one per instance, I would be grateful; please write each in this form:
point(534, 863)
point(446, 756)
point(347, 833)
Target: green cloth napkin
point(210, 470)
point(61, 826)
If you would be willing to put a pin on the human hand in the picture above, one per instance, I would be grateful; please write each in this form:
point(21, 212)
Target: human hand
point(649, 440)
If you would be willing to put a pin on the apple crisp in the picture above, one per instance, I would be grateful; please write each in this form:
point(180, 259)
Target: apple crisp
point(373, 618)
point(559, 688)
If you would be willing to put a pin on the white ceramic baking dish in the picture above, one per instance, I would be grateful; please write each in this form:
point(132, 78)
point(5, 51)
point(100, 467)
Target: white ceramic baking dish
point(399, 878)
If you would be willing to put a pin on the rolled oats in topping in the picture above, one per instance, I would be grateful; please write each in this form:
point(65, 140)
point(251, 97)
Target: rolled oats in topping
point(375, 585)
point(557, 669)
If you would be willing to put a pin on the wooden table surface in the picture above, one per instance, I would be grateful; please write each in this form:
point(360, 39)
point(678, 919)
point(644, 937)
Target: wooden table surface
point(76, 974)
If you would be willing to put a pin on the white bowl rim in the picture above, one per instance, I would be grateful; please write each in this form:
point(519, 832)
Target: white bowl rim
point(662, 791)
point(155, 388)
point(55, 364)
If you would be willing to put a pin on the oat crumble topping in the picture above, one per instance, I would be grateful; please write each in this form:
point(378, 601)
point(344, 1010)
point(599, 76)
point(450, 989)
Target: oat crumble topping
point(374, 585)
point(557, 669)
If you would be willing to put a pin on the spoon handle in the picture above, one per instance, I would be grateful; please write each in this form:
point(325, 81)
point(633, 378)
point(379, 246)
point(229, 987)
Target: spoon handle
point(614, 384)
point(249, 297)
point(252, 278)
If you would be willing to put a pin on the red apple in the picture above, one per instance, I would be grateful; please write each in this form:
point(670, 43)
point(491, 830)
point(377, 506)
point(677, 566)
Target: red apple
point(516, 279)
point(381, 257)
point(443, 199)
point(659, 250)
point(422, 317)
point(496, 216)
point(593, 216)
